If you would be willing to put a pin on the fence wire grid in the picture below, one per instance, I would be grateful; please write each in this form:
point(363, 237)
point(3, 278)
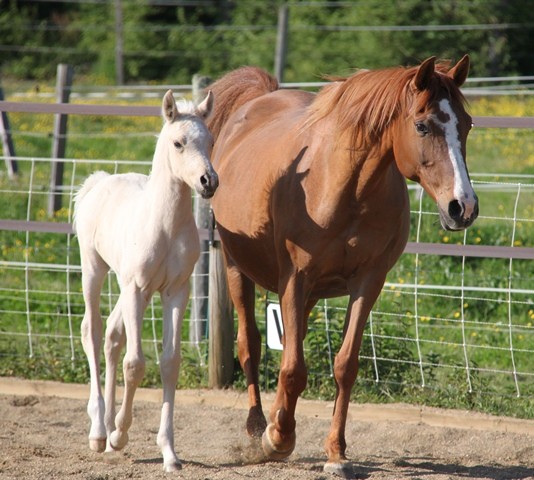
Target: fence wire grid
point(438, 317)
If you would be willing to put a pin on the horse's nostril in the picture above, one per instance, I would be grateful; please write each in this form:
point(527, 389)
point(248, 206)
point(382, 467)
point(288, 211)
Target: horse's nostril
point(209, 182)
point(455, 209)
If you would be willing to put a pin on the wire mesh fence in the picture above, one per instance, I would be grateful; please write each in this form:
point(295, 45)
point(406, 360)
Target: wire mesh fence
point(441, 320)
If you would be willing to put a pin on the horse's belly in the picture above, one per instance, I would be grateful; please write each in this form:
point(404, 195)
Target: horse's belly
point(253, 256)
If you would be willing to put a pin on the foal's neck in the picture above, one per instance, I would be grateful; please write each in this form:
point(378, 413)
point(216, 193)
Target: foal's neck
point(169, 197)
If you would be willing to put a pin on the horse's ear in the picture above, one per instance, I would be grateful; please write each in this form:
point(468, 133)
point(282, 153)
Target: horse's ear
point(205, 108)
point(168, 107)
point(460, 71)
point(424, 74)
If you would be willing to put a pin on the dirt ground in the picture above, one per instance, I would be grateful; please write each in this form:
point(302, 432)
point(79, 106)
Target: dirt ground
point(44, 437)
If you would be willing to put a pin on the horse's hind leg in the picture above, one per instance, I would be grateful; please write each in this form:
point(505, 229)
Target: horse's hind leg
point(174, 305)
point(248, 345)
point(133, 303)
point(115, 340)
point(93, 274)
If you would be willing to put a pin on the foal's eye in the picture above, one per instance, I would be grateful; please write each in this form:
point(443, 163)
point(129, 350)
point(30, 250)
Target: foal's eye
point(178, 145)
point(421, 128)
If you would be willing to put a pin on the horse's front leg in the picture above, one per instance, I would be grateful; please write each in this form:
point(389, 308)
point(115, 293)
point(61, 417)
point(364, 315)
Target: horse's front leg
point(93, 274)
point(279, 438)
point(363, 294)
point(174, 305)
point(114, 343)
point(133, 303)
point(242, 291)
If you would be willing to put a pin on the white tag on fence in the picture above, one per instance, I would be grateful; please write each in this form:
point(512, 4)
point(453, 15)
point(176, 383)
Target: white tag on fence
point(275, 328)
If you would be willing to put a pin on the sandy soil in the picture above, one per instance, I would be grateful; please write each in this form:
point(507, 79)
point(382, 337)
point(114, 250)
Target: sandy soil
point(44, 437)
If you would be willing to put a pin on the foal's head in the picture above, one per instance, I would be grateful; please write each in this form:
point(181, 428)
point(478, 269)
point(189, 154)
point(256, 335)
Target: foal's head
point(430, 141)
point(189, 143)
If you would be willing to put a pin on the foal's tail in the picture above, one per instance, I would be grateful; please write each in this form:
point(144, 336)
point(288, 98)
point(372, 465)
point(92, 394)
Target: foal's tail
point(234, 90)
point(87, 185)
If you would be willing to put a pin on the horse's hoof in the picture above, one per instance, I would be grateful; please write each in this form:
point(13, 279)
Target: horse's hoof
point(256, 423)
point(118, 441)
point(97, 444)
point(342, 469)
point(172, 467)
point(273, 452)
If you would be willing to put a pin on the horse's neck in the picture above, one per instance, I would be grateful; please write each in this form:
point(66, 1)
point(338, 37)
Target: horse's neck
point(352, 170)
point(168, 199)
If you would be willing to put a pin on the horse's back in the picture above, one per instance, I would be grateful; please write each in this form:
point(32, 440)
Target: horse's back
point(261, 140)
point(104, 206)
point(101, 188)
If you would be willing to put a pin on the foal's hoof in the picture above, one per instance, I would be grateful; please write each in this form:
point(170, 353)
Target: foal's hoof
point(342, 469)
point(97, 444)
point(274, 452)
point(172, 467)
point(118, 441)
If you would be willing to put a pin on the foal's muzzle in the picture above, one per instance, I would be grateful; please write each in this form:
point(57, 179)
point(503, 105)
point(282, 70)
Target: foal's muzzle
point(209, 183)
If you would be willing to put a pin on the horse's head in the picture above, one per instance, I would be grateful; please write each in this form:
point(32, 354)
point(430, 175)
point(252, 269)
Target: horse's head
point(429, 143)
point(189, 143)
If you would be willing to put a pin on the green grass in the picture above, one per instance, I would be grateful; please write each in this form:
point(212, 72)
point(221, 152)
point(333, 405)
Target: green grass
point(54, 350)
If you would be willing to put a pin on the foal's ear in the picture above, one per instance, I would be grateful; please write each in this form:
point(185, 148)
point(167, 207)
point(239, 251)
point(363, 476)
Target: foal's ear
point(424, 74)
point(460, 71)
point(168, 107)
point(205, 108)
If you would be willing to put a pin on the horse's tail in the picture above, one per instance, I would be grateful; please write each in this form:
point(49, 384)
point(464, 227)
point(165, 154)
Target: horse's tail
point(234, 90)
point(86, 187)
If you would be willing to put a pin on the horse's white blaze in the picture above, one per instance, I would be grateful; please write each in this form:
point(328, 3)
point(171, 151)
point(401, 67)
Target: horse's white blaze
point(463, 190)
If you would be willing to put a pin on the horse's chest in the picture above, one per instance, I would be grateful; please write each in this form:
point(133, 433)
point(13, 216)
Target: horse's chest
point(368, 238)
point(372, 239)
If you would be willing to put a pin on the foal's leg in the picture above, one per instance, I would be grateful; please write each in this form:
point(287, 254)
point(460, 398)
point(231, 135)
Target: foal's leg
point(279, 437)
point(363, 294)
point(174, 305)
point(93, 273)
point(133, 303)
point(115, 340)
point(248, 345)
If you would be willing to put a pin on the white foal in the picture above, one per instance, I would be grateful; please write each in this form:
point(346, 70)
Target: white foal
point(142, 227)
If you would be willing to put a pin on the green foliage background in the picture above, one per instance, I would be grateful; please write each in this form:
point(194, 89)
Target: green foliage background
point(171, 43)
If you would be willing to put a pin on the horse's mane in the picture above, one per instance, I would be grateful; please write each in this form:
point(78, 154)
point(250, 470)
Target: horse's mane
point(234, 90)
point(368, 101)
point(186, 107)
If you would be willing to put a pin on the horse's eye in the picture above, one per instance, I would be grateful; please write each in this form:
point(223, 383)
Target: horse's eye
point(178, 145)
point(421, 128)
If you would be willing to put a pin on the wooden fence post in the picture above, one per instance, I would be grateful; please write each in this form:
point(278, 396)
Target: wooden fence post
point(119, 44)
point(221, 323)
point(281, 43)
point(201, 210)
point(63, 87)
point(7, 143)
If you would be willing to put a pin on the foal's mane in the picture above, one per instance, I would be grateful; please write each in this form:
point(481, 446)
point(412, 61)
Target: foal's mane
point(368, 101)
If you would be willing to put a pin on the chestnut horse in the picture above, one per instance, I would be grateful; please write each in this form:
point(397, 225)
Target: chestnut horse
point(312, 204)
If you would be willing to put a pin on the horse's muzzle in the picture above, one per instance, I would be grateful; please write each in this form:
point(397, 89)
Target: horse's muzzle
point(455, 218)
point(209, 183)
